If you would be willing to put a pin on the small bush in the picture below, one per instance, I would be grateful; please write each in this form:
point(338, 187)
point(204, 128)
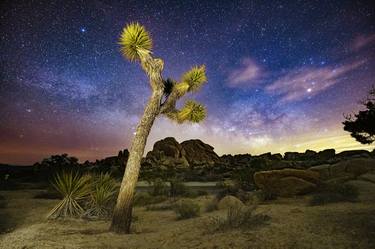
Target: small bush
point(332, 193)
point(227, 188)
point(178, 188)
point(186, 209)
point(74, 188)
point(212, 205)
point(159, 187)
point(238, 217)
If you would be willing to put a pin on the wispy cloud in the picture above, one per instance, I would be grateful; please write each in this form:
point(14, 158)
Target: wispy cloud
point(247, 75)
point(306, 82)
point(362, 41)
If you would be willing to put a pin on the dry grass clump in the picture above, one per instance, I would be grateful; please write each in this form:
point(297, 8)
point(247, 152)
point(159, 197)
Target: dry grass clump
point(238, 218)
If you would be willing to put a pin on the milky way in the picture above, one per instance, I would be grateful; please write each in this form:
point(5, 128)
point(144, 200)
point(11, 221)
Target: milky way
point(280, 74)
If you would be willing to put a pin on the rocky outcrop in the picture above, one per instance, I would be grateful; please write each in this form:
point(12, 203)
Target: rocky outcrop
point(199, 154)
point(354, 153)
point(286, 182)
point(167, 153)
point(347, 169)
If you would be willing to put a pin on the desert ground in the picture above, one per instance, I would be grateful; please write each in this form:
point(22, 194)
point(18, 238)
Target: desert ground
point(292, 223)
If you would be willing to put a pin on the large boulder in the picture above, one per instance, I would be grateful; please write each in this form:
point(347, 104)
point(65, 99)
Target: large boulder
point(286, 182)
point(366, 189)
point(324, 171)
point(293, 156)
point(353, 167)
point(310, 155)
point(230, 201)
point(354, 153)
point(199, 154)
point(370, 177)
point(166, 153)
point(326, 154)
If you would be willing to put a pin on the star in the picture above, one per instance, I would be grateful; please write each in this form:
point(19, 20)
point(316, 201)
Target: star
point(83, 30)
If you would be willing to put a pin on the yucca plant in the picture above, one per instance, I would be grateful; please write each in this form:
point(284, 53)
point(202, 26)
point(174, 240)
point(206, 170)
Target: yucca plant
point(136, 46)
point(102, 196)
point(74, 189)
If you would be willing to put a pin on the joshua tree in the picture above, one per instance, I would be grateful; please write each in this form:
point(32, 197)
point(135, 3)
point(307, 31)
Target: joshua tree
point(136, 46)
point(362, 125)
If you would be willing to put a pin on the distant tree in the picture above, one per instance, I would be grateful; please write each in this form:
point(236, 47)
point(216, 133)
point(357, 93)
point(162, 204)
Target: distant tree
point(136, 46)
point(362, 125)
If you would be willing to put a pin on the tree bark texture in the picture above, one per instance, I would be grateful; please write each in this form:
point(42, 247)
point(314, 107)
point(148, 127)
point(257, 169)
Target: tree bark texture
point(122, 214)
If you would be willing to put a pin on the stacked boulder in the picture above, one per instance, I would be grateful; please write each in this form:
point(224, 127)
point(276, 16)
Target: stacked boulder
point(286, 182)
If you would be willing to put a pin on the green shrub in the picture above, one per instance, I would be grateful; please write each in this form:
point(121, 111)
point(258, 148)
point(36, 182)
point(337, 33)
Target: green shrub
point(227, 188)
point(186, 209)
point(178, 188)
point(332, 193)
point(159, 187)
point(102, 196)
point(74, 189)
point(238, 217)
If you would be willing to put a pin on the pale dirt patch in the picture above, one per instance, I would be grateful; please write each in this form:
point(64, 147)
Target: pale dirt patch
point(293, 224)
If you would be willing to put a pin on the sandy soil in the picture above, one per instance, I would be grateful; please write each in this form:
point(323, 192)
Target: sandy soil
point(293, 224)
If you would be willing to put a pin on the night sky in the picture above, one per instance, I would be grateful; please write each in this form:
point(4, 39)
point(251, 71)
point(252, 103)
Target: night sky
point(280, 75)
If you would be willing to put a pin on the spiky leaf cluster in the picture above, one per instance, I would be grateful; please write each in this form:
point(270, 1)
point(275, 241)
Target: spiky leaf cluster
point(192, 111)
point(74, 188)
point(135, 41)
point(194, 78)
point(168, 86)
point(102, 196)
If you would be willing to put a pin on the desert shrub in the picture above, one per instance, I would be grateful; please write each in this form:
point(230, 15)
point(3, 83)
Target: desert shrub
point(238, 217)
point(227, 188)
point(244, 179)
point(145, 198)
point(102, 196)
point(74, 189)
point(159, 187)
point(178, 188)
point(186, 209)
point(332, 193)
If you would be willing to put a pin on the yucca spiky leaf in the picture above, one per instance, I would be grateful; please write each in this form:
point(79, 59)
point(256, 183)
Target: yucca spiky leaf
point(195, 77)
point(135, 41)
point(74, 188)
point(192, 111)
point(102, 197)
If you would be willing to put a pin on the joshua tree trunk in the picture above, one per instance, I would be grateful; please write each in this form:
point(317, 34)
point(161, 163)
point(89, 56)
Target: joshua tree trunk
point(136, 46)
point(122, 214)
